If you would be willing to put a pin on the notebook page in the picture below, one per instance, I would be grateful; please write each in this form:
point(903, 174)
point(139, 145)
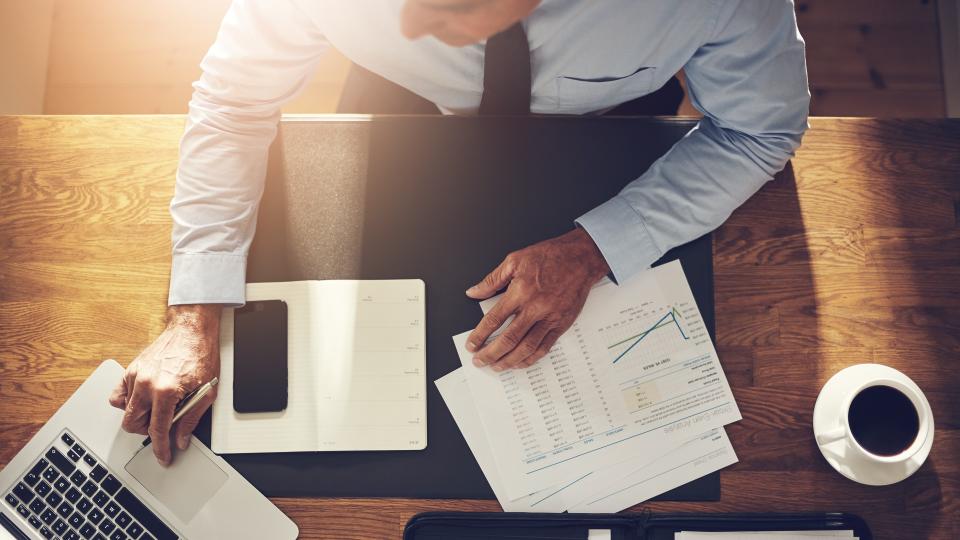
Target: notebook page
point(290, 430)
point(371, 364)
point(356, 370)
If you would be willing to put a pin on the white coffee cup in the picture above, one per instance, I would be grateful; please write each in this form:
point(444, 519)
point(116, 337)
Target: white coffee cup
point(908, 388)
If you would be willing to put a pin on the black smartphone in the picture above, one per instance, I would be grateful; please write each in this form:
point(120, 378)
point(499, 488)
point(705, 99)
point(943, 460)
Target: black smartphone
point(260, 357)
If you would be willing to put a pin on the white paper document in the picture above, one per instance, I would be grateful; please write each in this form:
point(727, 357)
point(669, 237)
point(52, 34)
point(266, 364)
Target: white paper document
point(610, 489)
point(463, 407)
point(635, 374)
point(356, 363)
point(617, 488)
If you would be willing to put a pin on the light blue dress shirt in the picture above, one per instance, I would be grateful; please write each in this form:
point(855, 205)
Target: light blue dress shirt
point(744, 63)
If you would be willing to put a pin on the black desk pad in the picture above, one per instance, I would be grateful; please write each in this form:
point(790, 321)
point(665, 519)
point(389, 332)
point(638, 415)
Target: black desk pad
point(445, 200)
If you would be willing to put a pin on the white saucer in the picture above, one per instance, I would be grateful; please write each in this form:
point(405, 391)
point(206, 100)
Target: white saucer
point(839, 454)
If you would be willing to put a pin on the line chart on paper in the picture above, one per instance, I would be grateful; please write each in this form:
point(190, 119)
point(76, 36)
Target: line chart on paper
point(647, 332)
point(649, 344)
point(669, 321)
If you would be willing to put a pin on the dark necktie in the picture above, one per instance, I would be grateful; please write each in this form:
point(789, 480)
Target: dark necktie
point(506, 73)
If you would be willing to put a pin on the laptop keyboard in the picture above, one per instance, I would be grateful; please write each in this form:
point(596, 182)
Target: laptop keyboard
point(69, 494)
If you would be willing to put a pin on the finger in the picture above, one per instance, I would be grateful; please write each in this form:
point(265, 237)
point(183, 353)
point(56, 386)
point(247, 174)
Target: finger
point(118, 398)
point(188, 423)
point(136, 416)
point(546, 344)
point(121, 393)
point(161, 417)
point(495, 280)
point(506, 341)
point(490, 322)
point(527, 347)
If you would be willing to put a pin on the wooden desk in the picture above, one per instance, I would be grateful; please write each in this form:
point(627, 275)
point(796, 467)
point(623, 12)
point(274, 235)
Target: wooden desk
point(852, 256)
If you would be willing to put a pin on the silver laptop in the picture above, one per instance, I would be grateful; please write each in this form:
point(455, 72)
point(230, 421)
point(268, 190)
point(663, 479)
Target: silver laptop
point(83, 477)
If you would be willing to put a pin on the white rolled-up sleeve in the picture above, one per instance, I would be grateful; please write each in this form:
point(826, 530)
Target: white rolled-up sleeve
point(264, 54)
point(749, 80)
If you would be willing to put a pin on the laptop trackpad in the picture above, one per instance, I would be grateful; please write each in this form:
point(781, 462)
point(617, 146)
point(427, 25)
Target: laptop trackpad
point(185, 486)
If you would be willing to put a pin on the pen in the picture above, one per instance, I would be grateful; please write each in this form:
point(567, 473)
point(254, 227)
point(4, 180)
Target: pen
point(188, 402)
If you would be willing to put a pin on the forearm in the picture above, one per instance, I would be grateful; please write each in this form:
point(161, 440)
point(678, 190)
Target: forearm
point(687, 193)
point(264, 55)
point(200, 317)
point(223, 157)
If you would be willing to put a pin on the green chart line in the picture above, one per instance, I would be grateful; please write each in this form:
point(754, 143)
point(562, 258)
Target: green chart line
point(671, 315)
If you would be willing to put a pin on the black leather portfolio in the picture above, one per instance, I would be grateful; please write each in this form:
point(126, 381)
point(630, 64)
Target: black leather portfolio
point(443, 200)
point(643, 526)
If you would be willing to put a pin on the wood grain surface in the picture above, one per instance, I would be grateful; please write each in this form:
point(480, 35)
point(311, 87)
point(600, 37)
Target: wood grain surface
point(852, 255)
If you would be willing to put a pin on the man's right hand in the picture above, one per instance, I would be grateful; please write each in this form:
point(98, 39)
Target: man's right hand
point(185, 356)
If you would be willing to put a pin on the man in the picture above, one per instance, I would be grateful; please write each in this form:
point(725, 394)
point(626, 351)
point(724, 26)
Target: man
point(745, 69)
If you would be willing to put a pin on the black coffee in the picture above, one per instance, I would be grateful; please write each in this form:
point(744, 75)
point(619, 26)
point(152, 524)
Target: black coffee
point(883, 420)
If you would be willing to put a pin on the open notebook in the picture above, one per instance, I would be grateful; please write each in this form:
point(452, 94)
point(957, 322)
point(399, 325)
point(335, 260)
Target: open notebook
point(356, 353)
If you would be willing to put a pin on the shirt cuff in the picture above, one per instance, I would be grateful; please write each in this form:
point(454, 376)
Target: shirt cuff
point(621, 235)
point(208, 278)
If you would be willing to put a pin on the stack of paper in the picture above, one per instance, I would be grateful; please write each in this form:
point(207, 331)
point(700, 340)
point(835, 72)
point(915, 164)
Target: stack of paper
point(630, 403)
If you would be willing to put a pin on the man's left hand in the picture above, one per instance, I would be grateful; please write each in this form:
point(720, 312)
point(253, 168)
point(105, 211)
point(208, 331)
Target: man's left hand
point(547, 285)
